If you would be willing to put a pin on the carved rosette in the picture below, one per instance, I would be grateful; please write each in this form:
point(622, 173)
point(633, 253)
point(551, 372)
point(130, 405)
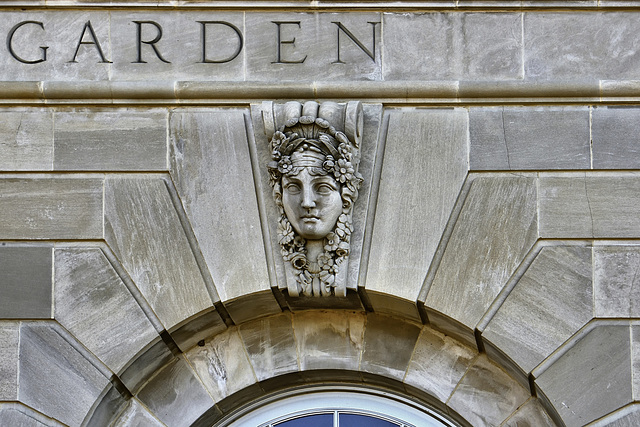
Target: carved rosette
point(321, 130)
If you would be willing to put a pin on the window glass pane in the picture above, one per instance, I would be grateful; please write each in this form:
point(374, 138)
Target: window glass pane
point(316, 420)
point(357, 420)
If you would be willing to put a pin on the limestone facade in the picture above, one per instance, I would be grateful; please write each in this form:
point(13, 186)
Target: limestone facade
point(496, 243)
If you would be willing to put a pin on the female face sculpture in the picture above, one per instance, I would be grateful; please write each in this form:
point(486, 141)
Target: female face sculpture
point(314, 177)
point(312, 202)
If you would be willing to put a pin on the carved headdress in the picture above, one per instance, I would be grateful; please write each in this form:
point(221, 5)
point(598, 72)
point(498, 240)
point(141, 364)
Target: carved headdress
point(309, 139)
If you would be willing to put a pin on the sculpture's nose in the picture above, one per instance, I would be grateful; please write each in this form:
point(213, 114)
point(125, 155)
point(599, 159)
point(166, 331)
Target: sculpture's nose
point(308, 198)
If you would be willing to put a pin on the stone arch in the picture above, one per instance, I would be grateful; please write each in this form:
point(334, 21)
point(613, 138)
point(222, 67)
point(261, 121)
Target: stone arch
point(278, 352)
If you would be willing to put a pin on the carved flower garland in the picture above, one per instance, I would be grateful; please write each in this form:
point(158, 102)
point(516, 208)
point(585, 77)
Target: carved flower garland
point(340, 154)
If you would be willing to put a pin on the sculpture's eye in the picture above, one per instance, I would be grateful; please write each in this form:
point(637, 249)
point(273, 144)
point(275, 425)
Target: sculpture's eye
point(292, 188)
point(325, 189)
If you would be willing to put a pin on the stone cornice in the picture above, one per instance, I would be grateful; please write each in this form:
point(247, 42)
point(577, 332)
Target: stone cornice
point(401, 92)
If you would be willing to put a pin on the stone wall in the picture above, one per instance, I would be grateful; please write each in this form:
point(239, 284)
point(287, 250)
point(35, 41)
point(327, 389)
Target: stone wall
point(496, 238)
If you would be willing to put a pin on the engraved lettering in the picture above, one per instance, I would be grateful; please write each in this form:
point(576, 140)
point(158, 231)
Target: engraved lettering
point(43, 49)
point(231, 57)
point(151, 43)
point(370, 53)
point(94, 42)
point(279, 59)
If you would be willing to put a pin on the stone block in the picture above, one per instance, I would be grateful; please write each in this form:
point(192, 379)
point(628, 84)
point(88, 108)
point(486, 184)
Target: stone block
point(425, 163)
point(144, 231)
point(589, 205)
point(197, 328)
point(175, 395)
point(635, 358)
point(549, 304)
point(592, 378)
point(15, 414)
point(110, 140)
point(270, 346)
point(210, 165)
point(616, 290)
point(521, 138)
point(388, 346)
point(180, 45)
point(531, 414)
point(312, 41)
point(496, 228)
point(438, 363)
point(26, 140)
point(59, 34)
point(486, 395)
point(25, 279)
point(629, 416)
point(615, 140)
point(329, 340)
point(9, 351)
point(222, 364)
point(560, 45)
point(55, 379)
point(107, 407)
point(55, 208)
point(453, 46)
point(252, 306)
point(135, 414)
point(145, 364)
point(104, 316)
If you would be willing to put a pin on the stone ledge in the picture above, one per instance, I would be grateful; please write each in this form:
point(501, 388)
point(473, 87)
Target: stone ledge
point(426, 92)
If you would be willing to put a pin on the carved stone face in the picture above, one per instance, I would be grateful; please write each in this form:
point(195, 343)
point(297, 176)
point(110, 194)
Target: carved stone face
point(312, 203)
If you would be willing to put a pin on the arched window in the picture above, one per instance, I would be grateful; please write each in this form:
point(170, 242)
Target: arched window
point(337, 406)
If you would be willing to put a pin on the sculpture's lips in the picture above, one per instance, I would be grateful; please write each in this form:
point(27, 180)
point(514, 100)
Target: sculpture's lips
point(310, 218)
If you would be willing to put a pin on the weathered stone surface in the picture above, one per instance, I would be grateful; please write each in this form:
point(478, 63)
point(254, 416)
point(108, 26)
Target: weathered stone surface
point(15, 414)
point(180, 46)
point(25, 279)
point(110, 140)
point(222, 364)
point(199, 327)
point(55, 208)
point(60, 33)
point(614, 145)
point(388, 346)
point(425, 163)
point(438, 363)
point(9, 342)
point(270, 346)
point(368, 152)
point(316, 43)
point(329, 340)
point(211, 168)
point(453, 46)
point(628, 416)
point(616, 288)
point(495, 230)
point(589, 205)
point(136, 415)
point(592, 378)
point(145, 364)
point(635, 358)
point(252, 306)
point(564, 46)
point(103, 315)
point(108, 405)
point(176, 396)
point(547, 306)
point(519, 138)
point(143, 229)
point(26, 140)
point(531, 414)
point(55, 379)
point(486, 395)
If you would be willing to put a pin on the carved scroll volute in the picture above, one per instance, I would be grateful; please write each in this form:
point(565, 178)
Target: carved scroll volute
point(315, 154)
